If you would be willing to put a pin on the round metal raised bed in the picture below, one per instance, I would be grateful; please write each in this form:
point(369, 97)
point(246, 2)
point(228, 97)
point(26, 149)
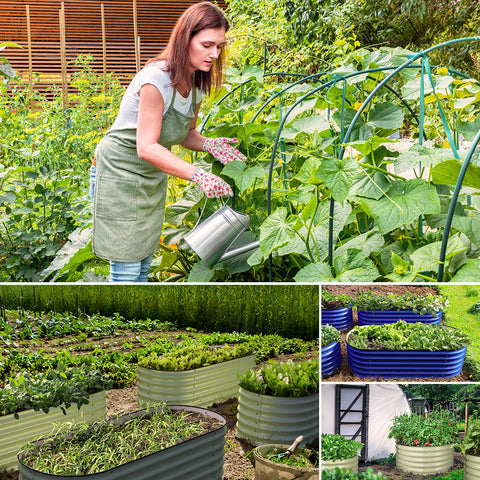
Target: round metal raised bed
point(264, 419)
point(340, 318)
point(424, 460)
point(331, 358)
point(267, 470)
point(199, 458)
point(405, 363)
point(347, 463)
point(472, 468)
point(380, 317)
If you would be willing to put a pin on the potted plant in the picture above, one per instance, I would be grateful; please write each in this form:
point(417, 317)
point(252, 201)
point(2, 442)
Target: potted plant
point(406, 350)
point(373, 309)
point(196, 374)
point(30, 404)
point(424, 444)
point(286, 462)
point(167, 442)
point(471, 449)
point(336, 310)
point(331, 349)
point(339, 452)
point(278, 400)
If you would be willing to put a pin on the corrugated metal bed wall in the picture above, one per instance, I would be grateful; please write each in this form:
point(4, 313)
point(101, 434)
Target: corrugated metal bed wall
point(150, 21)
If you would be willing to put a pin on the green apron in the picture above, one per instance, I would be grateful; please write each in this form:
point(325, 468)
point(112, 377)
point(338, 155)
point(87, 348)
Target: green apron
point(129, 199)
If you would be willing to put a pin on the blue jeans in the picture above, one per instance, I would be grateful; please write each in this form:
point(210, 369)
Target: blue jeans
point(130, 271)
point(91, 190)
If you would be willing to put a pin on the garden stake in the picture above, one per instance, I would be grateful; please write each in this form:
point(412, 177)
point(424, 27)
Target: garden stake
point(289, 451)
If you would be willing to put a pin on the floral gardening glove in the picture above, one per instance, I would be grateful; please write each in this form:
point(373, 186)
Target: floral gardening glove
point(211, 185)
point(222, 151)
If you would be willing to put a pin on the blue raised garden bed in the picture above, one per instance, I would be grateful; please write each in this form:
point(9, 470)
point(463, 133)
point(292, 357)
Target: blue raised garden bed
point(340, 318)
point(379, 317)
point(405, 363)
point(331, 358)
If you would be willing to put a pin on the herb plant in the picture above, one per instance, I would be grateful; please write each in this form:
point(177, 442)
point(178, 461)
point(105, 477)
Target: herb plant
point(343, 474)
point(407, 336)
point(471, 441)
point(111, 443)
point(60, 388)
point(194, 356)
point(422, 304)
point(337, 447)
point(438, 428)
point(329, 334)
point(288, 379)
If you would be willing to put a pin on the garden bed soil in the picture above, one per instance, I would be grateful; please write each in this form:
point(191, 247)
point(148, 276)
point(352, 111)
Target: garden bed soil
point(393, 473)
point(344, 373)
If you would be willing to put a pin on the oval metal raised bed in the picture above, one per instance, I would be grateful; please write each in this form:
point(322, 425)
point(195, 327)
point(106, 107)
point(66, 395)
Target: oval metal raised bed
point(331, 358)
point(350, 464)
point(199, 458)
point(380, 317)
point(201, 387)
point(264, 419)
point(424, 460)
point(14, 433)
point(472, 467)
point(405, 363)
point(340, 318)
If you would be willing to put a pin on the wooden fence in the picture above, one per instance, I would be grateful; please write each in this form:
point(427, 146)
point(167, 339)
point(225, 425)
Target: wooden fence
point(120, 34)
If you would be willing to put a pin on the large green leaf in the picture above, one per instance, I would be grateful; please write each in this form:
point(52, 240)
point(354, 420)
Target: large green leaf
point(315, 272)
point(243, 176)
point(469, 272)
point(386, 115)
point(307, 171)
point(338, 175)
point(313, 123)
point(201, 272)
point(469, 129)
point(419, 154)
point(367, 243)
point(446, 173)
point(470, 226)
point(277, 230)
point(403, 204)
point(175, 214)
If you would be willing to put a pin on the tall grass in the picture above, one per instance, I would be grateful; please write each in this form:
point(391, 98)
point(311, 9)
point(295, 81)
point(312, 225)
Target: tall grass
point(289, 310)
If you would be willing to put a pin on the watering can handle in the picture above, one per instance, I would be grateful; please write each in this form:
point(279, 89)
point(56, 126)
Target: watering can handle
point(294, 445)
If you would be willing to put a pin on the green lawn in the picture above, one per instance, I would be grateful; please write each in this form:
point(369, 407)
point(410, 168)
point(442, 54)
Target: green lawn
point(461, 298)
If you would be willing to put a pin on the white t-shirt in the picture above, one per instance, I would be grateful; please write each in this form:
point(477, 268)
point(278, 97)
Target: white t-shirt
point(152, 74)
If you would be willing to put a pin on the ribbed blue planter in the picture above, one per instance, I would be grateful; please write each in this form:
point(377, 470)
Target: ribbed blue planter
point(379, 317)
point(331, 358)
point(340, 318)
point(405, 363)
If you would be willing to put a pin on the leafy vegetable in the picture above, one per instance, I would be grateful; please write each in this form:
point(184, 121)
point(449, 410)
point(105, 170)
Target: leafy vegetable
point(407, 336)
point(343, 474)
point(288, 379)
point(331, 301)
point(471, 441)
point(337, 447)
point(329, 335)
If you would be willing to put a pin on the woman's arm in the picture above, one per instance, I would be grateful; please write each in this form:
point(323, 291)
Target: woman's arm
point(149, 127)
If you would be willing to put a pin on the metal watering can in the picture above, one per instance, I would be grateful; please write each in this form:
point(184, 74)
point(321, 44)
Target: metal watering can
point(212, 238)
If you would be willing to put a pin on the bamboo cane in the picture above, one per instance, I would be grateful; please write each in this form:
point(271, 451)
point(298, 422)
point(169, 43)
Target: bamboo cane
point(30, 68)
point(135, 36)
point(63, 58)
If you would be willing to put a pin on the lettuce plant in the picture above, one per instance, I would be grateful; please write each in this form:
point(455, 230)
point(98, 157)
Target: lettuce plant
point(329, 335)
point(337, 447)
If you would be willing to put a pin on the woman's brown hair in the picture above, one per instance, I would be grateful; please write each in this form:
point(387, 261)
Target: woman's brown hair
point(197, 17)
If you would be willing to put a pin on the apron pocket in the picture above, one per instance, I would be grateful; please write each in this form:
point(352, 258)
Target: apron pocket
point(116, 198)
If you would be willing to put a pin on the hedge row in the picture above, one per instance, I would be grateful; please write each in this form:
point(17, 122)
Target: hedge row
point(288, 310)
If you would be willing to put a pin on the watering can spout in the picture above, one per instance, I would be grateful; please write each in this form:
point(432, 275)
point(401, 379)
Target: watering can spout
point(211, 240)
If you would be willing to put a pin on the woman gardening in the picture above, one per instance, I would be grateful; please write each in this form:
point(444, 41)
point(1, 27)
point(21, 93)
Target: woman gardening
point(159, 109)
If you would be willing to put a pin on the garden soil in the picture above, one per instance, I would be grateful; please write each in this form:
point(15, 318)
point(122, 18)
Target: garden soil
point(343, 373)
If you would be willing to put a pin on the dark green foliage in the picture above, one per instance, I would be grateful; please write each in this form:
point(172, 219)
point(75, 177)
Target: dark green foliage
point(332, 301)
point(329, 335)
point(337, 447)
point(471, 441)
point(287, 310)
point(342, 474)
